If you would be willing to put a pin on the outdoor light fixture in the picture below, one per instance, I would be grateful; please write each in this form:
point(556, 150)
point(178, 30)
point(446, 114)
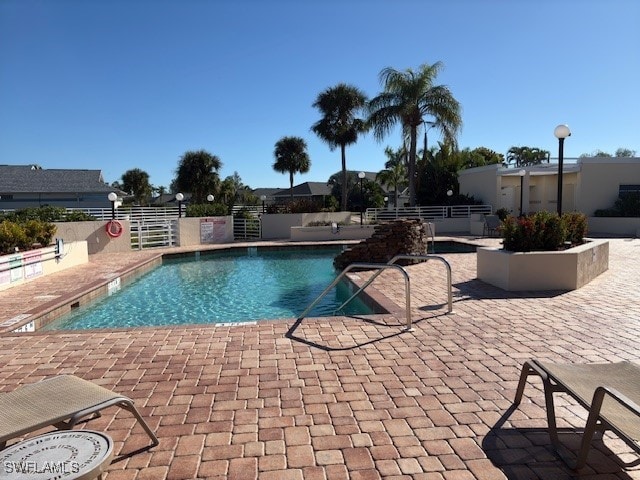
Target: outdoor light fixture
point(210, 198)
point(361, 177)
point(112, 198)
point(521, 173)
point(561, 132)
point(179, 198)
point(263, 198)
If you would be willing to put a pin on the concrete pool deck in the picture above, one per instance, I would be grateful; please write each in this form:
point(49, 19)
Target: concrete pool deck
point(344, 397)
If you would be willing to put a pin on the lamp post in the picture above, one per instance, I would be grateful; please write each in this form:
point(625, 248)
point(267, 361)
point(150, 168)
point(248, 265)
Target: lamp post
point(263, 198)
point(179, 198)
point(112, 198)
point(521, 174)
point(561, 132)
point(361, 177)
point(210, 198)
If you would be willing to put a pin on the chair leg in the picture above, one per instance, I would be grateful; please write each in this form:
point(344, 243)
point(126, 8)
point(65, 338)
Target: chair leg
point(128, 405)
point(524, 375)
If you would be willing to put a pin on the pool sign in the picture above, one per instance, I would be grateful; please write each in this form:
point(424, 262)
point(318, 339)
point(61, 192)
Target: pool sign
point(213, 229)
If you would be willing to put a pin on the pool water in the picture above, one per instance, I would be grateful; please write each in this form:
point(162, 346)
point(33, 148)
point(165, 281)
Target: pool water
point(221, 287)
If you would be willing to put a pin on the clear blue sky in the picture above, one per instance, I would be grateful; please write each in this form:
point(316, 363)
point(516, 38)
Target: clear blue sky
point(121, 84)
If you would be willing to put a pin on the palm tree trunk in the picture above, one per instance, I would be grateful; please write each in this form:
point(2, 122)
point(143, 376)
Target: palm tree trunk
point(291, 185)
point(412, 166)
point(343, 206)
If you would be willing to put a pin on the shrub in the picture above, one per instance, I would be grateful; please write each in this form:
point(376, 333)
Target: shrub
point(627, 205)
point(47, 214)
point(23, 235)
point(207, 210)
point(502, 213)
point(543, 231)
point(78, 216)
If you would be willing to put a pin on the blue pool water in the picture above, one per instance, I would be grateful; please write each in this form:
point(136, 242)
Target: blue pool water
point(220, 288)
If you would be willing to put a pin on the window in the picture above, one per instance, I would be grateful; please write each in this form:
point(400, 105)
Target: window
point(628, 189)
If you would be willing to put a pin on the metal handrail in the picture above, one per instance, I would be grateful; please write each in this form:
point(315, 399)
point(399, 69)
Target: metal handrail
point(407, 257)
point(380, 267)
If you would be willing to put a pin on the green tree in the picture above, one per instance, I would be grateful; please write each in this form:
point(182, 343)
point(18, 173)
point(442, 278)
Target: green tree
point(197, 173)
point(439, 175)
point(408, 97)
point(136, 182)
point(479, 157)
point(340, 124)
point(291, 157)
point(620, 152)
point(526, 156)
point(395, 173)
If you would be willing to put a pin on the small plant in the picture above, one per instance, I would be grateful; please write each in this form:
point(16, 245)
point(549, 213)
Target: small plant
point(502, 213)
point(24, 235)
point(543, 231)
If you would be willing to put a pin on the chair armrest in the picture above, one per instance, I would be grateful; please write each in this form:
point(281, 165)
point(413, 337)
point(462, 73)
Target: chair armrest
point(599, 394)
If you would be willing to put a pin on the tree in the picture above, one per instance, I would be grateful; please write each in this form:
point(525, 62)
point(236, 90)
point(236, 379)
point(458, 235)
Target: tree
point(291, 156)
point(340, 125)
point(395, 173)
point(620, 152)
point(408, 97)
point(136, 182)
point(440, 174)
point(479, 157)
point(197, 173)
point(526, 156)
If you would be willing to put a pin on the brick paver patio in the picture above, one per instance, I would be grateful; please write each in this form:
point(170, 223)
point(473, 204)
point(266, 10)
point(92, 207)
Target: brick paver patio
point(346, 397)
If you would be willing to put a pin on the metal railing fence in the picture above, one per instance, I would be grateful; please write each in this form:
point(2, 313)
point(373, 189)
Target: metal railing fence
point(375, 215)
point(247, 229)
point(154, 234)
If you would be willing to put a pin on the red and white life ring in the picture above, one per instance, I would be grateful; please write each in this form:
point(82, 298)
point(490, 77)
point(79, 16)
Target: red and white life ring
point(114, 228)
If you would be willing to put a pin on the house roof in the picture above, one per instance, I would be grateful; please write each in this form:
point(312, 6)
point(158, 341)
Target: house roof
point(32, 178)
point(306, 189)
point(267, 192)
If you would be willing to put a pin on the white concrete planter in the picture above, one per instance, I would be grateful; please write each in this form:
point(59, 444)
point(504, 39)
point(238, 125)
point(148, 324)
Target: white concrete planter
point(563, 270)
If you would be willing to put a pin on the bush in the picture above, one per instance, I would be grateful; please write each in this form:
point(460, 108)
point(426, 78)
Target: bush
point(46, 214)
point(627, 205)
point(543, 231)
point(502, 213)
point(23, 235)
point(207, 210)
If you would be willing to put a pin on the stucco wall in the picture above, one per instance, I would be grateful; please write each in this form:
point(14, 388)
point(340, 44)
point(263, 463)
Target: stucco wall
point(600, 180)
point(95, 234)
point(22, 267)
point(189, 230)
point(278, 225)
point(481, 182)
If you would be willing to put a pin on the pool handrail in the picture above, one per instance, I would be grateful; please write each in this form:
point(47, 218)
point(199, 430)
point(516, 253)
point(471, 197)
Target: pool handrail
point(380, 267)
point(402, 256)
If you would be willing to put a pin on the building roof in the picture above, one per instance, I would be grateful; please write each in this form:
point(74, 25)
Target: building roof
point(32, 178)
point(306, 189)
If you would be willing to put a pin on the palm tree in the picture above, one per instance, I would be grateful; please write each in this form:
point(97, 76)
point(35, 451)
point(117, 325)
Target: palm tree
point(197, 173)
point(136, 182)
point(408, 97)
point(339, 125)
point(291, 156)
point(394, 176)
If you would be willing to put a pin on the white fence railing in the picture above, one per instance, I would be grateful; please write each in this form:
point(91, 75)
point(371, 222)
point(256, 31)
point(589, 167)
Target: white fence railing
point(132, 213)
point(154, 234)
point(374, 215)
point(247, 229)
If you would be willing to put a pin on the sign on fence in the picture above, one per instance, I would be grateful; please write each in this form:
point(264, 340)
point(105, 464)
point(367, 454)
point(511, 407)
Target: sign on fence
point(213, 229)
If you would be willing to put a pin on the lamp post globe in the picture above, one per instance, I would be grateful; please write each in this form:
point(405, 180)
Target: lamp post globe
point(112, 198)
point(179, 198)
point(561, 132)
point(210, 198)
point(264, 199)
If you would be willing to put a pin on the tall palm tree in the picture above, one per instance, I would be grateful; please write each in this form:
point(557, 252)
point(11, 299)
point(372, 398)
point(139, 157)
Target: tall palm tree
point(291, 156)
point(340, 125)
point(393, 176)
point(197, 174)
point(408, 97)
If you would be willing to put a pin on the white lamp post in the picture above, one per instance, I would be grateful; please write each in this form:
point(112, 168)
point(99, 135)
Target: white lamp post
point(112, 198)
point(264, 199)
point(561, 132)
point(521, 173)
point(179, 198)
point(361, 177)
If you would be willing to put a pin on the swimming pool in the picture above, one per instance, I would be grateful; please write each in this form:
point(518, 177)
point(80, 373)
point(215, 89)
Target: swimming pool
point(221, 287)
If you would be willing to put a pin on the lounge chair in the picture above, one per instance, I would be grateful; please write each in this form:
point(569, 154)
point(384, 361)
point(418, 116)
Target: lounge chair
point(60, 401)
point(491, 224)
point(610, 392)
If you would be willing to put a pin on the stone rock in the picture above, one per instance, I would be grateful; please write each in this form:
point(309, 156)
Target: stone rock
point(404, 236)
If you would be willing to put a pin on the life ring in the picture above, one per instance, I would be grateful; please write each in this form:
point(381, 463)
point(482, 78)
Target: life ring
point(114, 228)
